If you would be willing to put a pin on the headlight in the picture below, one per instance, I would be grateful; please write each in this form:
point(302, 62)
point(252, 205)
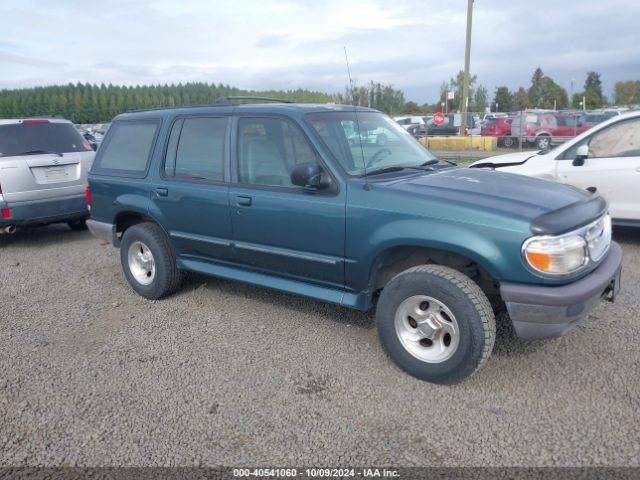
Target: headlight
point(598, 237)
point(556, 255)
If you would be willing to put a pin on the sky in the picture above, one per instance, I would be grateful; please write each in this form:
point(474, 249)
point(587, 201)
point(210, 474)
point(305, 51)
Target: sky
point(285, 44)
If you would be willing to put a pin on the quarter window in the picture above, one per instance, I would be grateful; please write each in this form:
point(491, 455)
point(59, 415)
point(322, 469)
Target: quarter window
point(196, 149)
point(129, 147)
point(268, 149)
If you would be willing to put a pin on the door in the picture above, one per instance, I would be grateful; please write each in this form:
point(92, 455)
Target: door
point(280, 228)
point(613, 167)
point(190, 196)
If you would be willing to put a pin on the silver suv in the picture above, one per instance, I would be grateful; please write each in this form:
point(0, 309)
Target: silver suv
point(43, 171)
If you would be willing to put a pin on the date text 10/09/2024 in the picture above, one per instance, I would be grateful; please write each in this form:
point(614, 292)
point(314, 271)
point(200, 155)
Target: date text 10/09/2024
point(315, 472)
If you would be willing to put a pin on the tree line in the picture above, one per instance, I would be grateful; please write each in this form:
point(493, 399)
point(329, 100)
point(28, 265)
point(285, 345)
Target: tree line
point(543, 92)
point(86, 103)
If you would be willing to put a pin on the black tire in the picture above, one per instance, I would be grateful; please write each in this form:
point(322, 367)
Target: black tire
point(167, 277)
point(543, 142)
point(77, 225)
point(464, 299)
point(508, 141)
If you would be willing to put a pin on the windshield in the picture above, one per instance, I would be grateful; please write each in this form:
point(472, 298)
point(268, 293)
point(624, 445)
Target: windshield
point(373, 142)
point(40, 137)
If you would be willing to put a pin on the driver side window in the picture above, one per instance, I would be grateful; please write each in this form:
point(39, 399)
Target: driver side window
point(619, 140)
point(268, 149)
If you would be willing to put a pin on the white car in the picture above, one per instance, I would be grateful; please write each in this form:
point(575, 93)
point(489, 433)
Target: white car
point(605, 159)
point(409, 121)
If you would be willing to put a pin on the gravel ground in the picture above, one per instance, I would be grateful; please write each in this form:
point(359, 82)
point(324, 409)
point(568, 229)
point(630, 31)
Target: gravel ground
point(228, 374)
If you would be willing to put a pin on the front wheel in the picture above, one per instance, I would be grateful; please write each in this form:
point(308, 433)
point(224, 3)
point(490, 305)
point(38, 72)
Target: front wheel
point(508, 141)
point(435, 323)
point(148, 261)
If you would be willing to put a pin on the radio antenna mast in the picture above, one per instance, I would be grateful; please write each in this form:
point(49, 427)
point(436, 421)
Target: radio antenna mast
point(355, 113)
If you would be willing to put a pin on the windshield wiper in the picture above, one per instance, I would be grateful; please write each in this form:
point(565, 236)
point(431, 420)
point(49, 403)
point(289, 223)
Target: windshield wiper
point(433, 161)
point(384, 170)
point(35, 152)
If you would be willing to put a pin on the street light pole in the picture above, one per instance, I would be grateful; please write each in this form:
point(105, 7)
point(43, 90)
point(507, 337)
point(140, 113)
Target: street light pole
point(467, 61)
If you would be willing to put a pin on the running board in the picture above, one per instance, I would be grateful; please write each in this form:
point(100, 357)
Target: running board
point(339, 297)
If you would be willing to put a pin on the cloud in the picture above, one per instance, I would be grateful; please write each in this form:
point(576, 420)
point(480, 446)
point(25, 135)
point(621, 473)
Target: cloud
point(7, 57)
point(414, 44)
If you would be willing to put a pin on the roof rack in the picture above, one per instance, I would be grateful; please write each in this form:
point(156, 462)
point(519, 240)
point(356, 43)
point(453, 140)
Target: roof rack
point(226, 101)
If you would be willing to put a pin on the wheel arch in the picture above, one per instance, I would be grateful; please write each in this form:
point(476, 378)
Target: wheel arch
point(130, 217)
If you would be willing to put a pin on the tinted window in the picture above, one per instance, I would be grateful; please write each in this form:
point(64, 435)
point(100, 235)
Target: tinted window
point(39, 136)
point(196, 149)
point(268, 149)
point(129, 147)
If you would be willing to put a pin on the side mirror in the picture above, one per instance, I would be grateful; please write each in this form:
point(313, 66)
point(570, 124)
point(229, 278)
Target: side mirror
point(582, 153)
point(310, 175)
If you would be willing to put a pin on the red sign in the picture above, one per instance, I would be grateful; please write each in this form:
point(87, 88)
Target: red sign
point(438, 118)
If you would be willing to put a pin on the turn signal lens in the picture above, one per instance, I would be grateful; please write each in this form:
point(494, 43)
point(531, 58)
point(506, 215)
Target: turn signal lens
point(559, 255)
point(539, 261)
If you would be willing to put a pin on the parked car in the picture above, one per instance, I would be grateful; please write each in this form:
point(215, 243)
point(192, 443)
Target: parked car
point(534, 128)
point(605, 158)
point(569, 125)
point(274, 195)
point(451, 126)
point(43, 170)
point(499, 127)
point(409, 121)
point(91, 139)
point(594, 118)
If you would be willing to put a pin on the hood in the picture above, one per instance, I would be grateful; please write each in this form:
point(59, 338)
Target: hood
point(493, 191)
point(516, 158)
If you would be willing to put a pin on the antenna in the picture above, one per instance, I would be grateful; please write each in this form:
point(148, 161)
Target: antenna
point(355, 112)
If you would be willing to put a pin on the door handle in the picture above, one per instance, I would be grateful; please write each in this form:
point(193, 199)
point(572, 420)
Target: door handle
point(162, 192)
point(243, 200)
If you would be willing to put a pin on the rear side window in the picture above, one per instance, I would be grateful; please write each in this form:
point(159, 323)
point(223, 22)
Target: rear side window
point(36, 136)
point(129, 147)
point(196, 149)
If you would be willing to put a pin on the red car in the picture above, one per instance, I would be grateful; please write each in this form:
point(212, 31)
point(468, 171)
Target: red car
point(546, 128)
point(569, 125)
point(498, 127)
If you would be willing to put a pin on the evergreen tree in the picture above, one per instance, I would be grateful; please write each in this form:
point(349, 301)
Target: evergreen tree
point(593, 90)
point(502, 100)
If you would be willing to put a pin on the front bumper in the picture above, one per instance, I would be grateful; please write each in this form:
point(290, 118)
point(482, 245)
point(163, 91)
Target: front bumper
point(539, 312)
point(50, 210)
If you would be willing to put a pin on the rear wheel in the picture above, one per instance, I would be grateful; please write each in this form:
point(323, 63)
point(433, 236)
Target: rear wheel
point(77, 225)
point(148, 261)
point(435, 323)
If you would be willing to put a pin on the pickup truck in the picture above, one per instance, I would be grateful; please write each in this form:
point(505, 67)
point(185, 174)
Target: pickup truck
point(275, 195)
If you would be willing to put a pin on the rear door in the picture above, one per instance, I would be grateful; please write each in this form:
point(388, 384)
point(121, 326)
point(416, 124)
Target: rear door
point(190, 193)
point(42, 159)
point(613, 167)
point(278, 227)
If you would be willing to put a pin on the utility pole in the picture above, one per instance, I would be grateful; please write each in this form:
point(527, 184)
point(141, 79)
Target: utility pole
point(467, 61)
